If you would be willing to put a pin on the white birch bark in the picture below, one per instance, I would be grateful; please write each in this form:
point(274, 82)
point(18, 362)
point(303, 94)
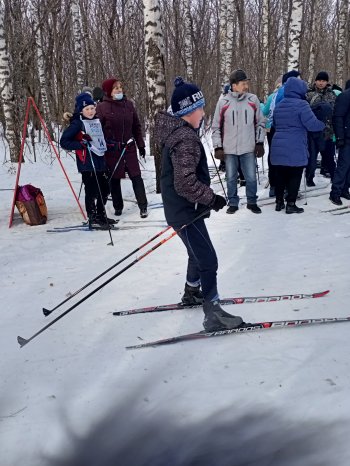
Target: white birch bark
point(341, 49)
point(294, 35)
point(188, 41)
point(228, 50)
point(6, 93)
point(76, 19)
point(222, 40)
point(155, 73)
point(265, 45)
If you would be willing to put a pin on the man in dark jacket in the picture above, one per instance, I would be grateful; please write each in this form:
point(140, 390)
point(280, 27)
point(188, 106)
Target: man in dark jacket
point(187, 199)
point(341, 125)
point(321, 98)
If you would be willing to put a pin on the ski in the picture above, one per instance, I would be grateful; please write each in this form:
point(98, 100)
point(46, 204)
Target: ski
point(244, 329)
point(342, 213)
point(336, 209)
point(225, 301)
point(87, 228)
point(82, 225)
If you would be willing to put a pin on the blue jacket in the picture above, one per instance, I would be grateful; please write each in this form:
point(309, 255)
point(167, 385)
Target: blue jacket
point(293, 118)
point(71, 140)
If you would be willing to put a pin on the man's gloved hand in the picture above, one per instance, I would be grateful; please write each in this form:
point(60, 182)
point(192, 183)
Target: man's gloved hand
point(218, 203)
point(259, 149)
point(86, 137)
point(340, 143)
point(219, 153)
point(142, 151)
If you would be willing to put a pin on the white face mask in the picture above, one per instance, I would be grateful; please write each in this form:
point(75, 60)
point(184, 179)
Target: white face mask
point(118, 96)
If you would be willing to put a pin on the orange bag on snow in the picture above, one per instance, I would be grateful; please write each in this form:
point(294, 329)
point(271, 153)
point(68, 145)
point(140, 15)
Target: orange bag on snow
point(31, 205)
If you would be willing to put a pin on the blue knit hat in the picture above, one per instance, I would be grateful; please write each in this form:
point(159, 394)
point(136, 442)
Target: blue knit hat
point(83, 100)
point(186, 98)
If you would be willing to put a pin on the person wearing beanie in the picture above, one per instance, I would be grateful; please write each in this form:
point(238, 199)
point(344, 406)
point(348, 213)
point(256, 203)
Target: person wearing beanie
point(84, 135)
point(121, 123)
point(238, 133)
point(188, 198)
point(341, 125)
point(321, 98)
point(293, 119)
point(87, 89)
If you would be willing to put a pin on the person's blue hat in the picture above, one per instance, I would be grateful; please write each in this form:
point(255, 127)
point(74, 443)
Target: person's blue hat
point(186, 98)
point(83, 100)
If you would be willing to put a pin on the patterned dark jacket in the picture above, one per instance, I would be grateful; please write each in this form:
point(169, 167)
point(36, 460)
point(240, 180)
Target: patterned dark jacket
point(185, 176)
point(315, 97)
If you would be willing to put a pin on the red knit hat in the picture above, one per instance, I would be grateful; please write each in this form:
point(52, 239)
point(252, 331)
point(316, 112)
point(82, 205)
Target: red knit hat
point(107, 85)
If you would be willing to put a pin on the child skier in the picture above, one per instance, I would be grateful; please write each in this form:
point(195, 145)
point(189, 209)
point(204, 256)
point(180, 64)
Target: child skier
point(186, 195)
point(85, 136)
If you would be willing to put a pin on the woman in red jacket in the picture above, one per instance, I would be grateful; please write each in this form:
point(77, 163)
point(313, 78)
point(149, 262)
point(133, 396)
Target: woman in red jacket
point(120, 123)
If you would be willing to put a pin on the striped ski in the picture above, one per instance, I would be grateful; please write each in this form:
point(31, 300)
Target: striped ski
point(244, 329)
point(225, 301)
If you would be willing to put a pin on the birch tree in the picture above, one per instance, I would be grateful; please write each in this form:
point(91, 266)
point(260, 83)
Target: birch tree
point(341, 49)
point(222, 40)
point(265, 45)
point(6, 92)
point(76, 19)
point(155, 74)
point(188, 41)
point(228, 50)
point(294, 35)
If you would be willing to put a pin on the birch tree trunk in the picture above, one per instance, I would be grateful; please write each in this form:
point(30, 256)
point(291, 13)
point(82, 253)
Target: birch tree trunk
point(315, 21)
point(42, 73)
point(265, 45)
point(229, 43)
point(77, 41)
point(155, 74)
point(188, 41)
point(6, 93)
point(341, 49)
point(294, 35)
point(222, 40)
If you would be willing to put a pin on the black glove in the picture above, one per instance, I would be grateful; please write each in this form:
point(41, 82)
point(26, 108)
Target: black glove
point(219, 153)
point(218, 203)
point(142, 151)
point(86, 137)
point(259, 149)
point(340, 143)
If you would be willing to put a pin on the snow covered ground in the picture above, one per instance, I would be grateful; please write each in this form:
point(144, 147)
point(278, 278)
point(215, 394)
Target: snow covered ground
point(73, 373)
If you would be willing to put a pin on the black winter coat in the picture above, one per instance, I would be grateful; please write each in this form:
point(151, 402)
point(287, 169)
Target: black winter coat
point(341, 116)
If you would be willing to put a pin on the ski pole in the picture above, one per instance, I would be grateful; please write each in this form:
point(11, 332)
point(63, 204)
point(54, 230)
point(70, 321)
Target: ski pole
point(48, 311)
point(100, 193)
point(81, 187)
point(22, 341)
point(216, 168)
point(121, 156)
point(305, 203)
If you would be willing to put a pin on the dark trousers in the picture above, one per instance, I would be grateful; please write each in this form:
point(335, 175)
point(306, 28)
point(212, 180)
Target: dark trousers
point(93, 202)
point(202, 260)
point(327, 150)
point(287, 178)
point(341, 179)
point(139, 190)
point(272, 174)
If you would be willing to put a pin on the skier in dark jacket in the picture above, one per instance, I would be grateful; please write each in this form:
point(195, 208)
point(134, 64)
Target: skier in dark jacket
point(120, 123)
point(186, 195)
point(341, 125)
point(293, 118)
point(84, 135)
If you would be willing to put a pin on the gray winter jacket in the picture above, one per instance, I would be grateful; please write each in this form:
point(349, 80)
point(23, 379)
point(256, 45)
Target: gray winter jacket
point(238, 123)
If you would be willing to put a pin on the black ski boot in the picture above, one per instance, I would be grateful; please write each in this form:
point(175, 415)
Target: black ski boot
point(293, 209)
point(192, 296)
point(217, 319)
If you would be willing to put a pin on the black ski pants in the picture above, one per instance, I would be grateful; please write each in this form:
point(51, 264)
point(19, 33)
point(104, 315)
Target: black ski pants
point(202, 261)
point(93, 202)
point(139, 190)
point(287, 178)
